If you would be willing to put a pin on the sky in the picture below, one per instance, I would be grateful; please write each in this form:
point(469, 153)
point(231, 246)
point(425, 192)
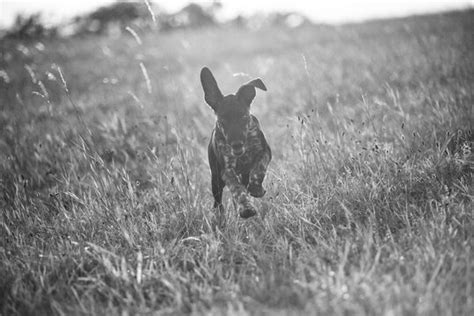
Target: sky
point(332, 11)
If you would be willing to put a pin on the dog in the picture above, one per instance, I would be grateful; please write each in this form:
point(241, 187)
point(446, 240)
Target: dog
point(238, 151)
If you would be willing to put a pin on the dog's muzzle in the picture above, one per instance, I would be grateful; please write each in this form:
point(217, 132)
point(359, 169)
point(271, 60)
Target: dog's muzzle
point(238, 148)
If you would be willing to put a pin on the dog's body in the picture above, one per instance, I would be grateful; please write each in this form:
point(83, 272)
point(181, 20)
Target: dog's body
point(241, 173)
point(238, 151)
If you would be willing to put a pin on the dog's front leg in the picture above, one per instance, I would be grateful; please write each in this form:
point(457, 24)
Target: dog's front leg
point(238, 191)
point(257, 174)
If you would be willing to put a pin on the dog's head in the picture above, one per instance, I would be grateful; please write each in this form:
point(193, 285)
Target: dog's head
point(233, 110)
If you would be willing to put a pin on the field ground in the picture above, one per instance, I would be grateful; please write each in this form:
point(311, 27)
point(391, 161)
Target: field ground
point(105, 187)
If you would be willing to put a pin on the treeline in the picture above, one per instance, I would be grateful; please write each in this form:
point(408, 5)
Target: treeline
point(120, 16)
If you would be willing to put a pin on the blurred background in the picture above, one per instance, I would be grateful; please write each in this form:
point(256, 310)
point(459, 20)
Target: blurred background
point(337, 11)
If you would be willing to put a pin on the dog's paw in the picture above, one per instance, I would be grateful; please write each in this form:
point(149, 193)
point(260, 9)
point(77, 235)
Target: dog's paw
point(247, 212)
point(256, 190)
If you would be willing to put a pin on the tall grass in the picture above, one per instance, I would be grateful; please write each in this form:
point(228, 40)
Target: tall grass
point(105, 190)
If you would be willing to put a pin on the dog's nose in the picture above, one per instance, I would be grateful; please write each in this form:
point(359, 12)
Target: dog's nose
point(237, 148)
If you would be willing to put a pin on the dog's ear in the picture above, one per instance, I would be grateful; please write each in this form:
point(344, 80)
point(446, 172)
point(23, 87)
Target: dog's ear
point(212, 94)
point(247, 92)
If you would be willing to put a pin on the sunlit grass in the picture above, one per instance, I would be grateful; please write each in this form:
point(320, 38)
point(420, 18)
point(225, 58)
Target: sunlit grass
point(105, 187)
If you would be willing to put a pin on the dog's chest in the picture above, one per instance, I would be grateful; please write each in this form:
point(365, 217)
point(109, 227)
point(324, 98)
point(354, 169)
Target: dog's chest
point(253, 150)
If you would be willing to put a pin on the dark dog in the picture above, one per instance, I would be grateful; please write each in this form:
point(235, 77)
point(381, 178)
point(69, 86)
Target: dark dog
point(238, 152)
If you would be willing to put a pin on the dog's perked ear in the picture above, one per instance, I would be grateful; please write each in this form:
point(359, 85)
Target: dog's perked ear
point(247, 92)
point(212, 94)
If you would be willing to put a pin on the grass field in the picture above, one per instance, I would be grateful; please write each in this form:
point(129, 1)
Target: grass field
point(105, 188)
